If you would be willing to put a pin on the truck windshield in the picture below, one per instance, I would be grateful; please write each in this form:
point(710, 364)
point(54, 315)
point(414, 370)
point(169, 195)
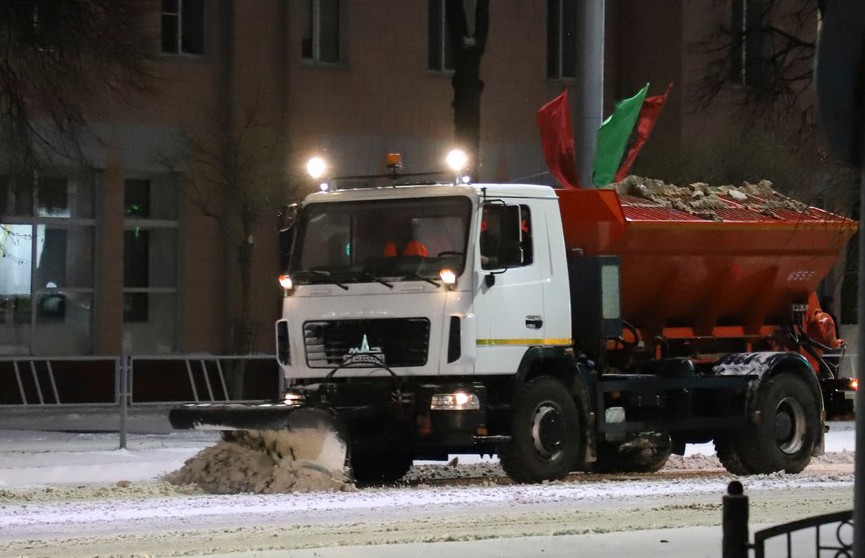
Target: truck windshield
point(381, 240)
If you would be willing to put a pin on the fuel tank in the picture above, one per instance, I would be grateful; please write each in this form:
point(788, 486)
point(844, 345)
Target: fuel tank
point(702, 258)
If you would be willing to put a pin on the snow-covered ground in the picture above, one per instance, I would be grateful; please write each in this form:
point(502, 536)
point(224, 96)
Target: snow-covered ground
point(68, 494)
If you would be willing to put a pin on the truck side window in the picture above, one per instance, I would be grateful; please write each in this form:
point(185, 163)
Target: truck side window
point(506, 239)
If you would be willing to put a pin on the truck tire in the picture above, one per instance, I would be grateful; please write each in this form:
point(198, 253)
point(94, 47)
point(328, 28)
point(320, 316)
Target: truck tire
point(379, 467)
point(727, 451)
point(787, 431)
point(545, 433)
point(647, 452)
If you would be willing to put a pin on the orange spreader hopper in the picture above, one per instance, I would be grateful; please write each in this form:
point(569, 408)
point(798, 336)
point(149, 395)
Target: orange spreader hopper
point(732, 271)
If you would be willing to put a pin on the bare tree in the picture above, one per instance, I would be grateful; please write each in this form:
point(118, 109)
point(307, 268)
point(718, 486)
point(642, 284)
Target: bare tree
point(230, 181)
point(765, 49)
point(760, 63)
point(230, 178)
point(58, 59)
point(761, 59)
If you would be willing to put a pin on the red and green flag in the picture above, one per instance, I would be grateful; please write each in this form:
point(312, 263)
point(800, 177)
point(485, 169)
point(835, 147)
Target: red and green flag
point(557, 140)
point(645, 123)
point(611, 163)
point(613, 137)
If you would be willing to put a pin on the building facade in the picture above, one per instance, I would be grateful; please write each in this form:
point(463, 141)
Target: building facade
point(138, 252)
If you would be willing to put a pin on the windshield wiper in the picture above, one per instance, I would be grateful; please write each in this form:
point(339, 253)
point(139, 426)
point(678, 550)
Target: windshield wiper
point(416, 277)
point(319, 273)
point(377, 279)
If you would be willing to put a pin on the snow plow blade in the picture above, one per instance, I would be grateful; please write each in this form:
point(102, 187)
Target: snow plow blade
point(306, 433)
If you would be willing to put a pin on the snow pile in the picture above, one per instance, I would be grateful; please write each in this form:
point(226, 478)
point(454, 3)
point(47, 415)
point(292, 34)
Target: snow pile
point(420, 473)
point(697, 461)
point(492, 470)
point(261, 463)
point(702, 200)
point(844, 457)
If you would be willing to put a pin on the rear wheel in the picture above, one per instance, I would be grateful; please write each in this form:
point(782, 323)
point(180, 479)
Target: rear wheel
point(545, 433)
point(788, 428)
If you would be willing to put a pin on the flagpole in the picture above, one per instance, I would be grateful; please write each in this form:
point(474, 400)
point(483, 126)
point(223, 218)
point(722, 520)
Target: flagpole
point(587, 100)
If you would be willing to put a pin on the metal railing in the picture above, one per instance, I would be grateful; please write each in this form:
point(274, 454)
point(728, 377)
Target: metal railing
point(104, 380)
point(35, 381)
point(831, 534)
point(95, 386)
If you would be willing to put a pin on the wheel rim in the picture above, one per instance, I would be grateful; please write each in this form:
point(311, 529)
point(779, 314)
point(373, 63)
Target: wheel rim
point(790, 425)
point(548, 431)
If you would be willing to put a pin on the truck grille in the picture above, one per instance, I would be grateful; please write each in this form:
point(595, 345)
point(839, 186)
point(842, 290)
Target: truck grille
point(398, 342)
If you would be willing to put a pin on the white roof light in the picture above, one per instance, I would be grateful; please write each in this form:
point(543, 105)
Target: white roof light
point(457, 160)
point(316, 167)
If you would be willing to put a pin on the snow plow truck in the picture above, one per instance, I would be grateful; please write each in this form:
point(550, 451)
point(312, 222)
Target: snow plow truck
point(559, 329)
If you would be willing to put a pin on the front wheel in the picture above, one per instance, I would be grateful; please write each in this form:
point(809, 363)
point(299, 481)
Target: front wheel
point(788, 428)
point(545, 433)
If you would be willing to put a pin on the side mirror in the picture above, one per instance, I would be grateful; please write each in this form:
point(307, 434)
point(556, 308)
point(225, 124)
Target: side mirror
point(288, 216)
point(285, 226)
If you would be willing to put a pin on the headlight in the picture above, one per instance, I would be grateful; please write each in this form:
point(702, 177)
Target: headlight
point(286, 283)
point(293, 398)
point(449, 278)
point(457, 401)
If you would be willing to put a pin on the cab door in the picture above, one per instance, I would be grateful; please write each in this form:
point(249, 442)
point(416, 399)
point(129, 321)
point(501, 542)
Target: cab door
point(509, 298)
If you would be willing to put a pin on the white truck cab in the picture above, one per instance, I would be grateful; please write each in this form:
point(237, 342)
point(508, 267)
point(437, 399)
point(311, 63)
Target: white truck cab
point(429, 280)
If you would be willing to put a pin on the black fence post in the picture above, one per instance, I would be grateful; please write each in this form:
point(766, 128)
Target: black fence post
point(735, 522)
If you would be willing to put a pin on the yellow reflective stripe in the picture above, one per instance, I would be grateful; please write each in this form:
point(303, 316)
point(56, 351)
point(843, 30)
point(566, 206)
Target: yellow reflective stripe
point(524, 342)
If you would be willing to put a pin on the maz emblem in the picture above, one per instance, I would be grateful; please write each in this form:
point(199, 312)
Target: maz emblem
point(364, 355)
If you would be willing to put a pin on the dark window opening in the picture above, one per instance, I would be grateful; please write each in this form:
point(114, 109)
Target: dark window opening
point(137, 198)
point(561, 39)
point(183, 27)
point(322, 31)
point(441, 53)
point(750, 46)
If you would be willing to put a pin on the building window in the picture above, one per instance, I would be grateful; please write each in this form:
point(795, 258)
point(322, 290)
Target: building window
point(322, 31)
point(183, 27)
point(42, 23)
point(441, 52)
point(46, 265)
point(561, 39)
point(750, 42)
point(150, 254)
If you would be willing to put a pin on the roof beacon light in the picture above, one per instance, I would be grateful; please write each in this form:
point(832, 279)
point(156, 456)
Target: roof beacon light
point(394, 161)
point(316, 167)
